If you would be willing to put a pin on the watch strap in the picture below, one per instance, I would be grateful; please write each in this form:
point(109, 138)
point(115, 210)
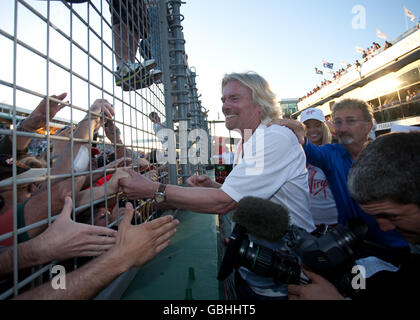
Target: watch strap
point(161, 188)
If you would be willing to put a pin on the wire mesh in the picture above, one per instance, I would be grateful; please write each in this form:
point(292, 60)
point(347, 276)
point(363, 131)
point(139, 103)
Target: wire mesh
point(73, 60)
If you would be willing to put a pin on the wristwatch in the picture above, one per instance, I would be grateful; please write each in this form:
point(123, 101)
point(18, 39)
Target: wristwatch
point(160, 195)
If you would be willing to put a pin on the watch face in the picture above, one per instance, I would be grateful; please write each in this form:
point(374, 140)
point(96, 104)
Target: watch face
point(159, 197)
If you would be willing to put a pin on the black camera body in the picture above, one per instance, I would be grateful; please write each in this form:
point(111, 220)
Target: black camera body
point(328, 254)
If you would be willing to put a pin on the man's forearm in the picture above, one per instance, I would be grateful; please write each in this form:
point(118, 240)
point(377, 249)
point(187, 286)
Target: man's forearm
point(36, 208)
point(28, 255)
point(63, 164)
point(22, 142)
point(208, 200)
point(216, 185)
point(84, 196)
point(83, 283)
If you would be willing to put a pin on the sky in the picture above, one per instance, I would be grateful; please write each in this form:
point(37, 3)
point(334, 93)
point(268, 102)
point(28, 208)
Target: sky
point(282, 40)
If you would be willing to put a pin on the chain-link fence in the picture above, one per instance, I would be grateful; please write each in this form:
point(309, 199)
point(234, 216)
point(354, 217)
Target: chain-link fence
point(85, 88)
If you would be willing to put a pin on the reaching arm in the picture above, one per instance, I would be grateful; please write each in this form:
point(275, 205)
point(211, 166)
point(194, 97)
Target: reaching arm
point(318, 289)
point(135, 246)
point(85, 129)
point(62, 240)
point(202, 181)
point(82, 283)
point(122, 162)
point(314, 154)
point(37, 119)
point(99, 192)
point(297, 127)
point(36, 208)
point(209, 200)
point(114, 135)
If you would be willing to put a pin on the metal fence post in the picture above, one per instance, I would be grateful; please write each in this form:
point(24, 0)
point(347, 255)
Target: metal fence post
point(169, 106)
point(178, 73)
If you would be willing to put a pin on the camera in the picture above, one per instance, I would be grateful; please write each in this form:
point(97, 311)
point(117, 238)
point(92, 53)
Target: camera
point(328, 254)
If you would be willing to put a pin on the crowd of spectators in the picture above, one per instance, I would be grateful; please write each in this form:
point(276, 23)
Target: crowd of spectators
point(412, 95)
point(367, 54)
point(82, 175)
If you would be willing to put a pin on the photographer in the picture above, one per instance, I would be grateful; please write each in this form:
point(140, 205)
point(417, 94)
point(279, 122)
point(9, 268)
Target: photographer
point(385, 180)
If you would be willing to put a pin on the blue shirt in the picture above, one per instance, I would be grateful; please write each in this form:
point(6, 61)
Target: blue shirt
point(336, 162)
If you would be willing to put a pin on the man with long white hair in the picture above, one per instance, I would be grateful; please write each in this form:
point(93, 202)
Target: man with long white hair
point(269, 164)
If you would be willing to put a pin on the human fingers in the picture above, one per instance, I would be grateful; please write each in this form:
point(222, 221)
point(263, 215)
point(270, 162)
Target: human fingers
point(124, 182)
point(191, 181)
point(128, 216)
point(313, 276)
point(202, 178)
point(159, 222)
point(293, 289)
point(119, 162)
point(99, 242)
point(275, 121)
point(141, 162)
point(167, 231)
point(61, 96)
point(161, 246)
point(125, 161)
point(59, 103)
point(122, 173)
point(293, 297)
point(130, 171)
point(109, 111)
point(98, 231)
point(100, 104)
point(93, 253)
point(68, 205)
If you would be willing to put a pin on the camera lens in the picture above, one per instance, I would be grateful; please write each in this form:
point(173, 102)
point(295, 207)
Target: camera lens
point(281, 266)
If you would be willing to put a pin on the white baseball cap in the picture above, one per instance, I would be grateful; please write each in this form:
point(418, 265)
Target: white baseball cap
point(312, 113)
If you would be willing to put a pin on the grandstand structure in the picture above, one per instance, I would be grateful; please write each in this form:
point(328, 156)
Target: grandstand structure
point(389, 81)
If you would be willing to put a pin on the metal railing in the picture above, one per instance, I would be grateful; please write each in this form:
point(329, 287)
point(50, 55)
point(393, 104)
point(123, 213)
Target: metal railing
point(50, 47)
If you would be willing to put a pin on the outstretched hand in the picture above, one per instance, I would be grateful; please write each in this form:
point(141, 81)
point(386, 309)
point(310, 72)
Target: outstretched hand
point(137, 244)
point(121, 162)
point(112, 132)
point(67, 239)
point(137, 186)
point(319, 289)
point(38, 118)
point(199, 181)
point(96, 112)
point(113, 183)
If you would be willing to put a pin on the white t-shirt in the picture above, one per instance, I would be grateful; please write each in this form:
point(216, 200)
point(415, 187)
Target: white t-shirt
point(322, 203)
point(273, 167)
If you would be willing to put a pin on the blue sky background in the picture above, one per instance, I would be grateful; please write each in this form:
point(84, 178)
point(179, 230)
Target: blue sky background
point(283, 40)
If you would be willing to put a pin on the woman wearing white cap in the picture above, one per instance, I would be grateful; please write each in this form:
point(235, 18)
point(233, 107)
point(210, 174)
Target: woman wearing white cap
point(322, 203)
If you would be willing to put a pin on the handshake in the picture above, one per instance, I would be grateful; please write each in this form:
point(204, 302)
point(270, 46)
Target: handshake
point(133, 184)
